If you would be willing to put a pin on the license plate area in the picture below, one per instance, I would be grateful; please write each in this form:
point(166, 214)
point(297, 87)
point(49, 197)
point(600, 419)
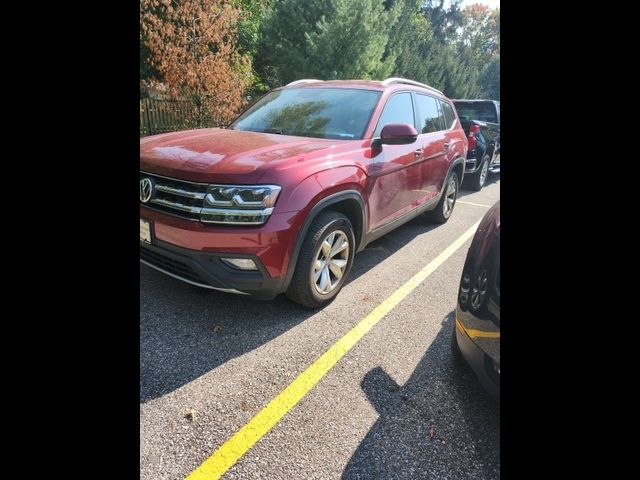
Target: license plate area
point(145, 232)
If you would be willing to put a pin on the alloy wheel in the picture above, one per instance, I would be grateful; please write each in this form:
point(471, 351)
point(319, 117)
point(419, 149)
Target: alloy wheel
point(484, 172)
point(331, 262)
point(479, 290)
point(450, 198)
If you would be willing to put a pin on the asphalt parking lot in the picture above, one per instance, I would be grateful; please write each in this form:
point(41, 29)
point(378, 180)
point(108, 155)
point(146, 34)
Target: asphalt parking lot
point(393, 407)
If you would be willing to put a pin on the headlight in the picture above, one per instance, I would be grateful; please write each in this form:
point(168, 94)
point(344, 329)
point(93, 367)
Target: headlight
point(239, 204)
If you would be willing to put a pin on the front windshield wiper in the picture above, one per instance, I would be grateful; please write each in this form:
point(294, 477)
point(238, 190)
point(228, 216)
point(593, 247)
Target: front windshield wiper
point(273, 130)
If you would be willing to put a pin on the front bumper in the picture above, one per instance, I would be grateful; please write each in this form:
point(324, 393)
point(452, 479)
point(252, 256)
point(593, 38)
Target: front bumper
point(208, 271)
point(191, 251)
point(480, 362)
point(272, 242)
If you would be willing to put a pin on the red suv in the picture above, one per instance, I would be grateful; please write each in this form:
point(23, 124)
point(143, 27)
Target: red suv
point(282, 199)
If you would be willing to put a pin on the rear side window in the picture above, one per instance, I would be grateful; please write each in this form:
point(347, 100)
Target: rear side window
point(399, 109)
point(449, 116)
point(430, 117)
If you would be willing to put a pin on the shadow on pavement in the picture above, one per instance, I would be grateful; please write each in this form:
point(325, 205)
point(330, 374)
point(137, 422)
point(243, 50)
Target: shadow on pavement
point(186, 331)
point(440, 424)
point(493, 178)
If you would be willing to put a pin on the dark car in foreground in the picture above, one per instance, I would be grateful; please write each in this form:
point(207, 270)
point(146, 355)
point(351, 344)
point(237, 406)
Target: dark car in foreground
point(476, 337)
point(282, 199)
point(480, 120)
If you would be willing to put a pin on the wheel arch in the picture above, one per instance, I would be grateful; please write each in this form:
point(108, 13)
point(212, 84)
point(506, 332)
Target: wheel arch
point(458, 166)
point(348, 202)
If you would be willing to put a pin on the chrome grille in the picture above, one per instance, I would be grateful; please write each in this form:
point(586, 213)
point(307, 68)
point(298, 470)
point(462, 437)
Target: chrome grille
point(177, 197)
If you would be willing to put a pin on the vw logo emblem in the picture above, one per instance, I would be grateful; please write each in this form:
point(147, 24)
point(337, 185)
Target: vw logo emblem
point(146, 190)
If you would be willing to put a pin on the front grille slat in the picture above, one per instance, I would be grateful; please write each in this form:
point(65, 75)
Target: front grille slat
point(177, 197)
point(177, 206)
point(180, 192)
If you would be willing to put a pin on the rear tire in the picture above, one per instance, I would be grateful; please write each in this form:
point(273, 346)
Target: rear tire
point(324, 261)
point(475, 181)
point(444, 209)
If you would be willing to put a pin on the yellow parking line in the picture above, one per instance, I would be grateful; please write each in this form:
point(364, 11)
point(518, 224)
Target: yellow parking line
point(233, 449)
point(476, 204)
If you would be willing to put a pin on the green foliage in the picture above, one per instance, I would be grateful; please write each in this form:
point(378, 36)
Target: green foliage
point(461, 73)
point(463, 44)
point(326, 39)
point(448, 49)
point(446, 22)
point(490, 80)
point(249, 26)
point(418, 54)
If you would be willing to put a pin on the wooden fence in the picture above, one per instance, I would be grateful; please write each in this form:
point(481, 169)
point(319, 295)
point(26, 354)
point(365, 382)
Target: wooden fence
point(159, 116)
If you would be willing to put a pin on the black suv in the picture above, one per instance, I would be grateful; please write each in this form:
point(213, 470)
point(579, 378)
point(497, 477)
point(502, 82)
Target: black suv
point(480, 120)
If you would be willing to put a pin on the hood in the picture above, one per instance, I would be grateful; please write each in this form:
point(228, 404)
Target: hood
point(220, 155)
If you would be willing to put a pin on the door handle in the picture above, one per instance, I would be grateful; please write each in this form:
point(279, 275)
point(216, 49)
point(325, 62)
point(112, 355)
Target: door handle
point(418, 152)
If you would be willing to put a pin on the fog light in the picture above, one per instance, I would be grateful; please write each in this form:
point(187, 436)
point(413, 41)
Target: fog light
point(241, 263)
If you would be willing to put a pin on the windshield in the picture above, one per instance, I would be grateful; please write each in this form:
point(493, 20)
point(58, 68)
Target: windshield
point(337, 113)
point(483, 111)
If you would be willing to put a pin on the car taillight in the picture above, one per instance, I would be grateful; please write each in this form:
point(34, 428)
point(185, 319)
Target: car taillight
point(473, 141)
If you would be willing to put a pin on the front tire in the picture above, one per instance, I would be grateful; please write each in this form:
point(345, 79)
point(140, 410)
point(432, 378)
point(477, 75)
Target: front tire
point(324, 261)
point(444, 209)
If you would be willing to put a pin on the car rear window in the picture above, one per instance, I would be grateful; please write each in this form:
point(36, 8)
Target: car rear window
point(336, 113)
point(483, 111)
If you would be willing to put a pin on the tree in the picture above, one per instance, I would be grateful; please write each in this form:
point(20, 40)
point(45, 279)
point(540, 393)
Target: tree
point(462, 44)
point(446, 21)
point(479, 46)
point(326, 39)
point(481, 30)
point(147, 72)
point(461, 72)
point(419, 56)
point(249, 25)
point(490, 80)
point(192, 45)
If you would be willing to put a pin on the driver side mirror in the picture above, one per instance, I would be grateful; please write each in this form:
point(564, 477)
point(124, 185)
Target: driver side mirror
point(398, 134)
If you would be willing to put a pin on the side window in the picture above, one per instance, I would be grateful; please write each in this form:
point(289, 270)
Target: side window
point(430, 117)
point(449, 116)
point(399, 109)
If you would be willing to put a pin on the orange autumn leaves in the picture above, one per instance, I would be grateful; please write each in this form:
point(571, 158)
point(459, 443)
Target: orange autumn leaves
point(193, 47)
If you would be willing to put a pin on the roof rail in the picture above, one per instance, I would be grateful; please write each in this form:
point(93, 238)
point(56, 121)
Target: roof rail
point(391, 80)
point(304, 80)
